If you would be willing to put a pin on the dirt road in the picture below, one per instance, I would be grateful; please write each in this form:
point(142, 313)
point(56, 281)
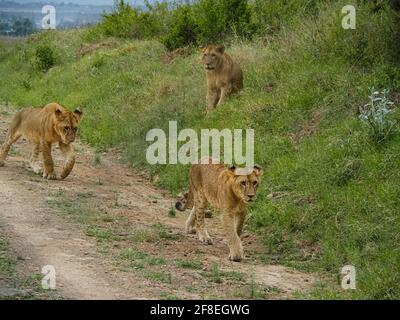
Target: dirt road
point(109, 235)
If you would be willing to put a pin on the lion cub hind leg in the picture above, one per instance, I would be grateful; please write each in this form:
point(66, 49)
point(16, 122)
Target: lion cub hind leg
point(199, 206)
point(226, 91)
point(12, 136)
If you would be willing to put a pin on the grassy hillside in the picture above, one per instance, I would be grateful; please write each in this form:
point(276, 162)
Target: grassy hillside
point(334, 194)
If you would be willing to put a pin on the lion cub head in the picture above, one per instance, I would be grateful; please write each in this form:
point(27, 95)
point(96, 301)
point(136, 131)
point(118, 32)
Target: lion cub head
point(212, 57)
point(246, 182)
point(66, 123)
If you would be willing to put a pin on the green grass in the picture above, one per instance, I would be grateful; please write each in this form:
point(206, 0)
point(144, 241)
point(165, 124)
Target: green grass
point(189, 264)
point(24, 286)
point(342, 191)
point(218, 276)
point(140, 259)
point(164, 277)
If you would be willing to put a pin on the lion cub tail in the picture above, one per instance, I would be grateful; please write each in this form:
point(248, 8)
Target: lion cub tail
point(186, 202)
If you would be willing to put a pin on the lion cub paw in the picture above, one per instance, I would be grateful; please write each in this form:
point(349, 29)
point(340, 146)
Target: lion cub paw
point(49, 176)
point(37, 169)
point(206, 240)
point(190, 230)
point(236, 258)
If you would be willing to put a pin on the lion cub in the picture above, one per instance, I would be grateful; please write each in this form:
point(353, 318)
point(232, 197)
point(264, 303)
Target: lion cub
point(43, 127)
point(224, 76)
point(227, 189)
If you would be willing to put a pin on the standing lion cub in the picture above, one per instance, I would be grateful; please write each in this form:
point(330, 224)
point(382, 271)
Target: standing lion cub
point(224, 76)
point(43, 127)
point(227, 189)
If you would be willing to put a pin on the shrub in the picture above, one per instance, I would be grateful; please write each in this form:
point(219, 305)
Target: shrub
point(45, 57)
point(129, 22)
point(218, 18)
point(270, 16)
point(375, 115)
point(183, 32)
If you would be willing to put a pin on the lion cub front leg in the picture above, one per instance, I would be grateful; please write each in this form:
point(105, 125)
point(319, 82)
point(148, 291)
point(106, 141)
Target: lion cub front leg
point(69, 153)
point(48, 172)
point(34, 162)
point(213, 95)
point(191, 221)
point(234, 242)
point(201, 230)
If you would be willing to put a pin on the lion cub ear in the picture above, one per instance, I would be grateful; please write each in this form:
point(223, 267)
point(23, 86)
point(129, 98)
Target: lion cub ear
point(59, 114)
point(78, 113)
point(220, 49)
point(258, 170)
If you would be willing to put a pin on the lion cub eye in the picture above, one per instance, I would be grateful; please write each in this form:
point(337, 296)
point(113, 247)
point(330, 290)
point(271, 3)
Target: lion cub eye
point(243, 183)
point(66, 128)
point(255, 183)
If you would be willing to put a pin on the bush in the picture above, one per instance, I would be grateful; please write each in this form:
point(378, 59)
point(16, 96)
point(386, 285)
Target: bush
point(270, 16)
point(184, 30)
point(218, 18)
point(375, 115)
point(45, 57)
point(177, 25)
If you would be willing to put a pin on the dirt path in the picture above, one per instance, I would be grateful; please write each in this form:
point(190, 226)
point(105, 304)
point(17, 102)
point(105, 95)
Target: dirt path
point(107, 232)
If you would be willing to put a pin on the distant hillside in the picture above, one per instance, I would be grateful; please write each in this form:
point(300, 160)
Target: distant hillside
point(79, 2)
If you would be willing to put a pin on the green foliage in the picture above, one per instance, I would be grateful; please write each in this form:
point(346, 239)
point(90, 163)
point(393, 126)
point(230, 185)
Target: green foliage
point(129, 22)
point(45, 57)
point(177, 25)
point(376, 115)
point(270, 16)
point(183, 31)
point(217, 19)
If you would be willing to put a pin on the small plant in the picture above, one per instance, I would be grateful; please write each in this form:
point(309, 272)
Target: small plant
point(375, 115)
point(45, 57)
point(97, 159)
point(172, 212)
point(216, 274)
point(189, 264)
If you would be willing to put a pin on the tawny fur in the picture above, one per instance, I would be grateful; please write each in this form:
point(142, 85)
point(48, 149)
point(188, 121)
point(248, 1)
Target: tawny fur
point(224, 76)
point(43, 127)
point(225, 190)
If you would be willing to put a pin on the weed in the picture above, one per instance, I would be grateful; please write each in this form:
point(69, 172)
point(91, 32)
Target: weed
point(189, 264)
point(376, 116)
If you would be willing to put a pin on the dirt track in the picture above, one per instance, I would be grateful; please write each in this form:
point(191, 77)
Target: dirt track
point(88, 268)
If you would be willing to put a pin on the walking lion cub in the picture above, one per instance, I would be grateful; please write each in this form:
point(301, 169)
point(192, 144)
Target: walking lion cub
point(224, 76)
point(227, 189)
point(43, 127)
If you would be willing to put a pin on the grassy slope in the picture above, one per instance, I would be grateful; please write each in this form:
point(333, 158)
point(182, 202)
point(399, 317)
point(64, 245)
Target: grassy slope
point(341, 193)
